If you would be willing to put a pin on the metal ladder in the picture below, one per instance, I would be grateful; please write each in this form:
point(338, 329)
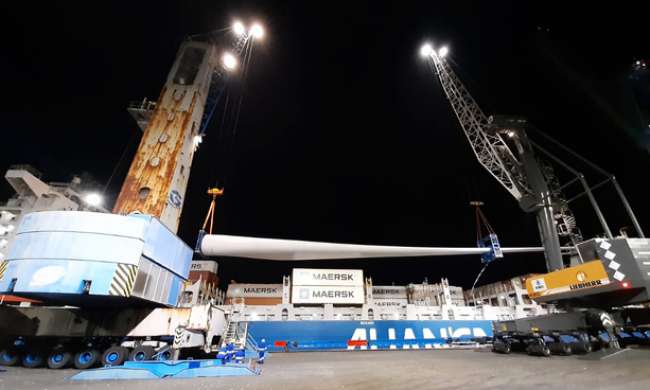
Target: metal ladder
point(236, 331)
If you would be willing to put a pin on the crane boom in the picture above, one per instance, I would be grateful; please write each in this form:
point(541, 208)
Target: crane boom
point(503, 149)
point(157, 179)
point(490, 149)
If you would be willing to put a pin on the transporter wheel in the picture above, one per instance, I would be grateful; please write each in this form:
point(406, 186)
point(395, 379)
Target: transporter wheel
point(141, 353)
point(582, 347)
point(539, 350)
point(9, 357)
point(59, 358)
point(164, 355)
point(115, 356)
point(565, 349)
point(33, 359)
point(86, 358)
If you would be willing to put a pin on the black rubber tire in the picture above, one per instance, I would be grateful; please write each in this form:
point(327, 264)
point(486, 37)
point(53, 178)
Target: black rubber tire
point(59, 358)
point(507, 349)
point(566, 349)
point(86, 358)
point(33, 359)
point(582, 347)
point(546, 351)
point(142, 353)
point(115, 356)
point(9, 357)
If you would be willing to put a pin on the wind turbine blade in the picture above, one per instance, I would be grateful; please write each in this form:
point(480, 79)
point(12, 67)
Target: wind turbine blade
point(291, 250)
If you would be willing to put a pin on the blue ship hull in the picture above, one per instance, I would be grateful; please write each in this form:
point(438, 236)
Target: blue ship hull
point(381, 334)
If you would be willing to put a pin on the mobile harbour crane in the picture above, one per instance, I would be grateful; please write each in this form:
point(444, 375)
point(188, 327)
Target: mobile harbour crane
point(603, 273)
point(112, 281)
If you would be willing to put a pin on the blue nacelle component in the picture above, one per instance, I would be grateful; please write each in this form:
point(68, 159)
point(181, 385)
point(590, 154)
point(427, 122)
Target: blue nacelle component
point(492, 242)
point(81, 257)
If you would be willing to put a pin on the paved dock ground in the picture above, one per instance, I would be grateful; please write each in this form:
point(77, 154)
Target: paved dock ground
point(450, 369)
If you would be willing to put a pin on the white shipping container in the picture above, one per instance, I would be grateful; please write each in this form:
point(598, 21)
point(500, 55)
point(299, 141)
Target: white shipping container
point(390, 302)
point(327, 294)
point(389, 292)
point(237, 290)
point(327, 277)
point(204, 265)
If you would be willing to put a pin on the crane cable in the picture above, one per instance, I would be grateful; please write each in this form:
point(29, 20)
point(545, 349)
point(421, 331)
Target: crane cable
point(215, 192)
point(481, 219)
point(119, 162)
point(236, 110)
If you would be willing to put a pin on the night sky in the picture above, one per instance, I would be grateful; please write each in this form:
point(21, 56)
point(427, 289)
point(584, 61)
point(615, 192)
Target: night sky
point(344, 135)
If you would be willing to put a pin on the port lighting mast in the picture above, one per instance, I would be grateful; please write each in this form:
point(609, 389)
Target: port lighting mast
point(502, 147)
point(174, 125)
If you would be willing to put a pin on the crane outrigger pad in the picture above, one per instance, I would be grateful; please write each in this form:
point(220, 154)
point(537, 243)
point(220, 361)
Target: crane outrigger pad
point(170, 369)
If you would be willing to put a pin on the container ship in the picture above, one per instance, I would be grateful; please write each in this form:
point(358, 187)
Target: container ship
point(325, 309)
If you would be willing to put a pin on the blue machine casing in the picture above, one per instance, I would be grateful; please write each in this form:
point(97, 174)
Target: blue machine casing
point(85, 259)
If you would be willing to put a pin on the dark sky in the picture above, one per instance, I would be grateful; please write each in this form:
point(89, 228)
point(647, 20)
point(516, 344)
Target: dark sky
point(344, 135)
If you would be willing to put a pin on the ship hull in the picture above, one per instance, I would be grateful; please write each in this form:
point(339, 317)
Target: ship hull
point(374, 335)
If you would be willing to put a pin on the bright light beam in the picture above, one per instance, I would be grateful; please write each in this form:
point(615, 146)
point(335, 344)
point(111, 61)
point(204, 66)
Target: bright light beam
point(229, 61)
point(257, 31)
point(426, 50)
point(93, 199)
point(238, 28)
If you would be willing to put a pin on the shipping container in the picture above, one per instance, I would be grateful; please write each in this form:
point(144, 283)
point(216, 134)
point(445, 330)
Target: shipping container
point(389, 292)
point(327, 294)
point(327, 277)
point(239, 290)
point(255, 301)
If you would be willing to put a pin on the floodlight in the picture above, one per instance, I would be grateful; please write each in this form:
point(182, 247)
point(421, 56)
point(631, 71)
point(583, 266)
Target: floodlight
point(93, 199)
point(229, 61)
point(197, 140)
point(443, 51)
point(257, 31)
point(238, 28)
point(426, 50)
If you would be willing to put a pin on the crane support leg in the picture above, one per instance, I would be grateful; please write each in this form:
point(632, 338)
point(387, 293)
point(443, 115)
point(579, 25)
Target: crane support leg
point(548, 233)
point(594, 204)
point(628, 208)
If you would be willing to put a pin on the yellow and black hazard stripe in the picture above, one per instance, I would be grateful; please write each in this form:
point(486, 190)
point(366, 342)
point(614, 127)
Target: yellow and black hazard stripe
point(3, 267)
point(123, 280)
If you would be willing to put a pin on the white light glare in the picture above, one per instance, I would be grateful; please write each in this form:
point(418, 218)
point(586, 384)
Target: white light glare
point(197, 140)
point(238, 28)
point(3, 244)
point(426, 50)
point(443, 51)
point(6, 216)
point(257, 31)
point(229, 61)
point(93, 199)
